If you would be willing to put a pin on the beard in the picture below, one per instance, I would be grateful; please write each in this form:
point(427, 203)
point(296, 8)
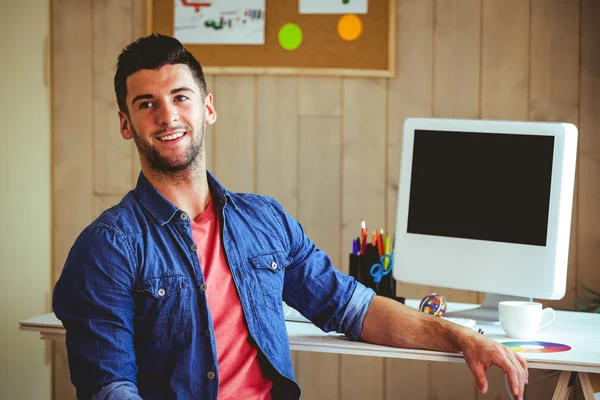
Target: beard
point(164, 165)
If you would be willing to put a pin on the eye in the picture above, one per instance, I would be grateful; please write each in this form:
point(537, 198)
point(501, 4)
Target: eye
point(181, 98)
point(146, 104)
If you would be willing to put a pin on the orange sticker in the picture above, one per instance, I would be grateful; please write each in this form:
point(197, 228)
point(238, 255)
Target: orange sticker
point(349, 27)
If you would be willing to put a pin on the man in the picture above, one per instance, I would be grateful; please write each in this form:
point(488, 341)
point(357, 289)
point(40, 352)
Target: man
point(176, 291)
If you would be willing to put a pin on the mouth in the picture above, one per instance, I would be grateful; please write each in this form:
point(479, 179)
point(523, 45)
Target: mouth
point(171, 137)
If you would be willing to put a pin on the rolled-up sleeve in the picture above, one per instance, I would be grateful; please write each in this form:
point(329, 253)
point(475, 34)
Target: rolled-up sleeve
point(356, 309)
point(332, 300)
point(120, 390)
point(94, 300)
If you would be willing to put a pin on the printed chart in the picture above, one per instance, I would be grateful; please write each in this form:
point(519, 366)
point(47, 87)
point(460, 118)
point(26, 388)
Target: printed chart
point(220, 22)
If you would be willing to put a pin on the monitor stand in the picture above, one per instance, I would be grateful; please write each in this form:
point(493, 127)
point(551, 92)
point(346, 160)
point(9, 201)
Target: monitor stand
point(486, 313)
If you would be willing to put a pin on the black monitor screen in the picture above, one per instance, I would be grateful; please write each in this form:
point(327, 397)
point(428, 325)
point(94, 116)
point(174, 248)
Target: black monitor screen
point(485, 186)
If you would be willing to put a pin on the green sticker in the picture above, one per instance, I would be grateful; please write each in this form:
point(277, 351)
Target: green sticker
point(290, 36)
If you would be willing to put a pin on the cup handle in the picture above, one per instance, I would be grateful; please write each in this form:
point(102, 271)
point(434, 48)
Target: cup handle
point(549, 315)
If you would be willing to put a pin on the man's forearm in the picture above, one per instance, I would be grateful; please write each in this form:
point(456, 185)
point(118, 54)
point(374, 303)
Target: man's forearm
point(390, 323)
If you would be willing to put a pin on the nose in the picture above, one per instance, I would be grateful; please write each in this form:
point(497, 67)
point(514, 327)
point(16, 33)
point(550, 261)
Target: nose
point(167, 114)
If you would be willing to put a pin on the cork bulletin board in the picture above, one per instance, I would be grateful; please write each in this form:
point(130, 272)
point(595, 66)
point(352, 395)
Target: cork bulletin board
point(323, 50)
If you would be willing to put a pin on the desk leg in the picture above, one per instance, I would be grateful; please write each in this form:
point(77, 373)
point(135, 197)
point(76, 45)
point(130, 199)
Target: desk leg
point(563, 390)
point(586, 386)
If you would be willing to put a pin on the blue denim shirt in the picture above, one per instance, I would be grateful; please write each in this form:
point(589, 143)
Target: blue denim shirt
point(132, 296)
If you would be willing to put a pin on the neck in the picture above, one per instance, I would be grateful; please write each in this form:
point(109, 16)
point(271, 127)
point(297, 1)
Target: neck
point(187, 190)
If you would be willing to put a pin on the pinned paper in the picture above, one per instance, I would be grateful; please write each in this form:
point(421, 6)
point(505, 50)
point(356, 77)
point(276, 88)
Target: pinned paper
point(333, 6)
point(220, 21)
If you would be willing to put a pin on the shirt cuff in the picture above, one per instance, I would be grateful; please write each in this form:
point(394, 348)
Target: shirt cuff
point(355, 312)
point(119, 390)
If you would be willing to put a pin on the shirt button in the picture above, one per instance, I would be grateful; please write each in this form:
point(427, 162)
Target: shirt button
point(183, 216)
point(161, 292)
point(207, 332)
point(193, 247)
point(274, 265)
point(210, 375)
point(203, 287)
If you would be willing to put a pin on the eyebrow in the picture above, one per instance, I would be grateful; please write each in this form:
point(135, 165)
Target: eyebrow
point(149, 96)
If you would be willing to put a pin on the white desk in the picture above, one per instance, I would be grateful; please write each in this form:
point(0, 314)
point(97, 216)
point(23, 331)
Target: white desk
point(580, 331)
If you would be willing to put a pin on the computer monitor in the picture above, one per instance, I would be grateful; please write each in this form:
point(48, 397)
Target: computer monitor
point(486, 206)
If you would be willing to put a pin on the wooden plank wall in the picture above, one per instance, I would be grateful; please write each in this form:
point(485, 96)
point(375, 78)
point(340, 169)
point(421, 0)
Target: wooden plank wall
point(328, 148)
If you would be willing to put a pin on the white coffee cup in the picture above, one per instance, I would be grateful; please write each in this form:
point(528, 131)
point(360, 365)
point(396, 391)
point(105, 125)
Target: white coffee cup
point(523, 319)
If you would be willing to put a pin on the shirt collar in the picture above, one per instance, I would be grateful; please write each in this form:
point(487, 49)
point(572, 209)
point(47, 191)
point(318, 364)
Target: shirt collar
point(163, 210)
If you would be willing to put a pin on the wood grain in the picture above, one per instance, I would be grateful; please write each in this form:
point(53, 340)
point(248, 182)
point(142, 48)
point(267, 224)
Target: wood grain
point(277, 140)
point(457, 58)
point(320, 97)
point(505, 60)
point(588, 250)
point(112, 154)
point(235, 149)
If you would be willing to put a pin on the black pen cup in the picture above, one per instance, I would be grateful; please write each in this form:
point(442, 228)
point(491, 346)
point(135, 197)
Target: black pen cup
point(360, 268)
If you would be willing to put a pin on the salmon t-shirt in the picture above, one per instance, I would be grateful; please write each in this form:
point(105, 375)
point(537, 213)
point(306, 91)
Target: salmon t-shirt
point(240, 374)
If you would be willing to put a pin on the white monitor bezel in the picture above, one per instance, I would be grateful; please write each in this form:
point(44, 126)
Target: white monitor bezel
point(505, 268)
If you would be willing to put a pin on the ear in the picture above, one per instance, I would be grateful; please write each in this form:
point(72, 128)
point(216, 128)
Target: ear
point(211, 113)
point(125, 126)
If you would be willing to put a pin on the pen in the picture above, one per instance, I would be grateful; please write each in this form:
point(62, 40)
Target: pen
point(363, 229)
point(387, 251)
point(380, 243)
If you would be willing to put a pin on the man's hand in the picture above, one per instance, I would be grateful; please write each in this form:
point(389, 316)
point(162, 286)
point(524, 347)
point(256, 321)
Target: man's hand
point(390, 323)
point(481, 353)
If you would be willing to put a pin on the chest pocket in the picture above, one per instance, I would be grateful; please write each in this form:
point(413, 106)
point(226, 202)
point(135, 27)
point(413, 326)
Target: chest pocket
point(163, 308)
point(269, 270)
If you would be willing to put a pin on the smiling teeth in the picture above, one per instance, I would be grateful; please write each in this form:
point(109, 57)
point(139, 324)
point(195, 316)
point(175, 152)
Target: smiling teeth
point(171, 137)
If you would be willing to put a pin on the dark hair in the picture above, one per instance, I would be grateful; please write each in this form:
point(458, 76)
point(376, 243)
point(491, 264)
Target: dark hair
point(153, 52)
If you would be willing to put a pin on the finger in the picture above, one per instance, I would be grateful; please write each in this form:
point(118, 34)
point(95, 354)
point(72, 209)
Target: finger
point(511, 371)
point(511, 366)
point(520, 374)
point(523, 363)
point(521, 367)
point(523, 373)
point(520, 371)
point(479, 373)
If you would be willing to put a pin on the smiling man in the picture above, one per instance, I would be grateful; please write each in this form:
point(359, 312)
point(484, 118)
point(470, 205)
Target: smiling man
point(175, 292)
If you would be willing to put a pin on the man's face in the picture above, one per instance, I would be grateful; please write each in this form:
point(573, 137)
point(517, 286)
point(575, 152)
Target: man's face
point(167, 120)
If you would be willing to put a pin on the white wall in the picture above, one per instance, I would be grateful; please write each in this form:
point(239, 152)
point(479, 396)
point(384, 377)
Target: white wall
point(25, 212)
